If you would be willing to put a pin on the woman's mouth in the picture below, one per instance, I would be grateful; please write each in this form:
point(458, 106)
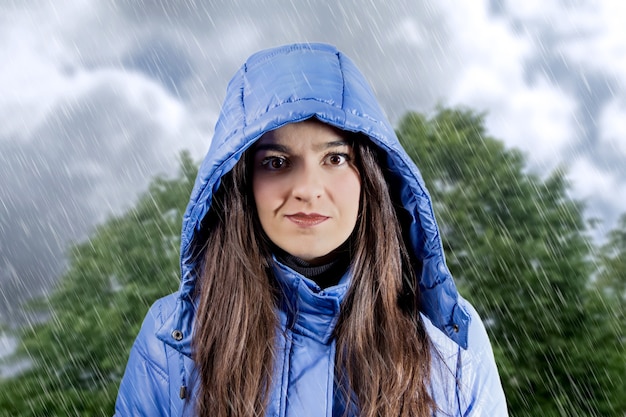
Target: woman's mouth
point(307, 220)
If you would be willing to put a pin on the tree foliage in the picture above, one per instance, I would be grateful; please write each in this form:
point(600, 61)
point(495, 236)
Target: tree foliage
point(517, 245)
point(79, 350)
point(609, 307)
point(611, 280)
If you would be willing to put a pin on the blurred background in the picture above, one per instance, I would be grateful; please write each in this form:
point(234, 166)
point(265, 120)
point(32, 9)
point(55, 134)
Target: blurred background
point(99, 97)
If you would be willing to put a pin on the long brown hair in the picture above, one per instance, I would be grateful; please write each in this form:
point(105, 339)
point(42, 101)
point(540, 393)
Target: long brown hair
point(383, 352)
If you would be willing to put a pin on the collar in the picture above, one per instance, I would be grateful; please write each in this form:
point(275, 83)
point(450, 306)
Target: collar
point(310, 310)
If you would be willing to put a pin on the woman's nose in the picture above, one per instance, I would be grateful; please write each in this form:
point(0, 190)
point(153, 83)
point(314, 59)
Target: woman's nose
point(307, 184)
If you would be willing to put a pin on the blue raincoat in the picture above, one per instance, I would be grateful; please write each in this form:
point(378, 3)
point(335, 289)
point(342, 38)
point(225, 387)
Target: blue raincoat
point(275, 87)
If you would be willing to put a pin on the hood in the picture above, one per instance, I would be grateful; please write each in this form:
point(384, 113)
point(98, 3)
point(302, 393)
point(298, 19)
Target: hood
point(292, 83)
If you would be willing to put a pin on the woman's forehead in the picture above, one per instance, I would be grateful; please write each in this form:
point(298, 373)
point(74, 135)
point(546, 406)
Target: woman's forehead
point(311, 132)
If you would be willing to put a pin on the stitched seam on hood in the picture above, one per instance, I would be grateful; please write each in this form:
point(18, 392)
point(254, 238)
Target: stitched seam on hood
point(254, 60)
point(343, 80)
point(242, 87)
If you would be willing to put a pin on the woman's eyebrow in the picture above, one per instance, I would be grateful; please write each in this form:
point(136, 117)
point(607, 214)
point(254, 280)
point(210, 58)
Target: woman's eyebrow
point(334, 144)
point(271, 147)
point(276, 147)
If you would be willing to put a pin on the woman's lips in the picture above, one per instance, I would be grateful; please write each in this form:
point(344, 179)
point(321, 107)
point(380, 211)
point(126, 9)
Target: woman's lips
point(307, 220)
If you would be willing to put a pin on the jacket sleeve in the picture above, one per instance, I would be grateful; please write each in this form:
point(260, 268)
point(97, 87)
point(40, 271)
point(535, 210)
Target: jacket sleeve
point(481, 394)
point(144, 390)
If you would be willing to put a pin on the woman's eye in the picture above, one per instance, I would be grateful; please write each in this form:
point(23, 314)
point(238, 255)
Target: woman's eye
point(274, 163)
point(337, 159)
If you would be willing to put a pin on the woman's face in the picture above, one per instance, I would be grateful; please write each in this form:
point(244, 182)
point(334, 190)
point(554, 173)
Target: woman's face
point(306, 189)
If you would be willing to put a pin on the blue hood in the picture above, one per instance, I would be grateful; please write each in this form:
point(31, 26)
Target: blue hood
point(289, 84)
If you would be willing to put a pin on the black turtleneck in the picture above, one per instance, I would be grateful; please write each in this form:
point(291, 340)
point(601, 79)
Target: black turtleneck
point(325, 275)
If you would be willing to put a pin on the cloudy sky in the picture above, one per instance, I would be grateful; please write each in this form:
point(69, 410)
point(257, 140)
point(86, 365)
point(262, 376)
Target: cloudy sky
point(97, 96)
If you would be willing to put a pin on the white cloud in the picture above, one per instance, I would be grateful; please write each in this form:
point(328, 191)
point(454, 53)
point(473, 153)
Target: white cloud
point(409, 31)
point(602, 190)
point(47, 52)
point(90, 136)
point(536, 117)
point(590, 180)
point(29, 82)
point(8, 345)
point(39, 62)
point(612, 125)
point(589, 33)
point(537, 10)
point(596, 37)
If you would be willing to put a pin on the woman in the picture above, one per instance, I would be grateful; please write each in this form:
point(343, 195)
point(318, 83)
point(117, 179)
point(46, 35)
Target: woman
point(313, 276)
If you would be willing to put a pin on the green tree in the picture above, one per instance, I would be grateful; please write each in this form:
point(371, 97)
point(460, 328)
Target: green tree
point(611, 279)
point(609, 303)
point(79, 351)
point(517, 246)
